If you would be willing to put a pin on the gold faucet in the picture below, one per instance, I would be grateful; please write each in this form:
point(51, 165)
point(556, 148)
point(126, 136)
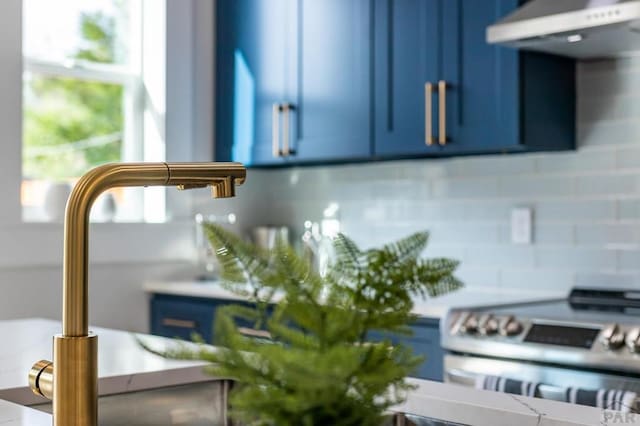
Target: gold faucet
point(71, 380)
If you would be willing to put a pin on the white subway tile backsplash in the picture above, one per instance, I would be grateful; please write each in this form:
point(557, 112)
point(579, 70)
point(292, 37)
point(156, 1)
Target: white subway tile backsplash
point(606, 185)
point(602, 133)
point(586, 203)
point(614, 280)
point(607, 235)
point(491, 166)
point(576, 162)
point(574, 211)
point(629, 209)
point(553, 234)
point(532, 186)
point(476, 188)
point(506, 255)
point(575, 258)
point(628, 158)
point(536, 279)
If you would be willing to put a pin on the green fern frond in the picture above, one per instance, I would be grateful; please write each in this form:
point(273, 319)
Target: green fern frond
point(409, 247)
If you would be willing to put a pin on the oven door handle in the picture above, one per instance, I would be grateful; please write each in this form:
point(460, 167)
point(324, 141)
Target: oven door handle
point(466, 378)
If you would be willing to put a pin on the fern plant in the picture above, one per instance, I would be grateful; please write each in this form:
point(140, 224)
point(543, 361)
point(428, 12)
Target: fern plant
point(320, 365)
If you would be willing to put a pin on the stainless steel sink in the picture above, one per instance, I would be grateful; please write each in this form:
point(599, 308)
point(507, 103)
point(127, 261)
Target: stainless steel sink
point(196, 404)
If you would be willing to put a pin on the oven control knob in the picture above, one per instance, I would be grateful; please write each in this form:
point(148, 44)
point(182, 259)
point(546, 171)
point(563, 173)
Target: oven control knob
point(633, 340)
point(509, 326)
point(487, 325)
point(469, 324)
point(612, 337)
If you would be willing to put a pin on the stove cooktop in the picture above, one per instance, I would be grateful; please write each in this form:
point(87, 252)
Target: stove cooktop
point(594, 327)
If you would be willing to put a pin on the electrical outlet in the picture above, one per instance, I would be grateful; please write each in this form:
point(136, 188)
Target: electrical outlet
point(522, 225)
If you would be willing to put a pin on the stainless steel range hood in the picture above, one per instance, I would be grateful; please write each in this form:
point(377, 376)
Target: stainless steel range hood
point(576, 28)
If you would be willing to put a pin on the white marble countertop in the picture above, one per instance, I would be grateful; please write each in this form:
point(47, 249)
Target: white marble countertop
point(430, 308)
point(468, 406)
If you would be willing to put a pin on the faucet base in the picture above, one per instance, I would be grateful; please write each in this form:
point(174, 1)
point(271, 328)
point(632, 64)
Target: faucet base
point(75, 380)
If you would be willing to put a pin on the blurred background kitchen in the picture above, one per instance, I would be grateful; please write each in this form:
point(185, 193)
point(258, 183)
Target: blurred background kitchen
point(86, 82)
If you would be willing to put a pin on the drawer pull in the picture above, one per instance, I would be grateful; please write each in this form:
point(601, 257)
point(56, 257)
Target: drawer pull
point(428, 114)
point(178, 323)
point(275, 130)
point(442, 114)
point(252, 332)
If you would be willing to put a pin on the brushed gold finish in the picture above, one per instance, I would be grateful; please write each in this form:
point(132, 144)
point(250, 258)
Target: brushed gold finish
point(252, 332)
point(428, 114)
point(442, 112)
point(41, 378)
point(178, 323)
point(275, 130)
point(75, 380)
point(72, 380)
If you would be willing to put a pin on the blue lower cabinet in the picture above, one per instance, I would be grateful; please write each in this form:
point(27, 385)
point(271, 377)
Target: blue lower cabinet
point(181, 317)
point(425, 342)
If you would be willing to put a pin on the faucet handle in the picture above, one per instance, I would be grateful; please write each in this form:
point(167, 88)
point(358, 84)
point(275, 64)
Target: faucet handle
point(41, 378)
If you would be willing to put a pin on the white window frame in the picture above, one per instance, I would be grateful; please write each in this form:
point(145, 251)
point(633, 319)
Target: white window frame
point(129, 77)
point(186, 128)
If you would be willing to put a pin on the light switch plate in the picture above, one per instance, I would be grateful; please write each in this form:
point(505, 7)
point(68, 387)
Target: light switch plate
point(522, 225)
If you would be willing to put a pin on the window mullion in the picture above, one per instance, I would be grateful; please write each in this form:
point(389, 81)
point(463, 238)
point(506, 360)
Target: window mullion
point(102, 73)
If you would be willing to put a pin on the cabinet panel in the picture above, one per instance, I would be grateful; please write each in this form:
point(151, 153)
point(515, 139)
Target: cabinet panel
point(425, 342)
point(483, 94)
point(333, 110)
point(407, 56)
point(256, 55)
point(181, 317)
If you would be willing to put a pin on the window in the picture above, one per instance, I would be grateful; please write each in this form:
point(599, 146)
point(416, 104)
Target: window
point(82, 102)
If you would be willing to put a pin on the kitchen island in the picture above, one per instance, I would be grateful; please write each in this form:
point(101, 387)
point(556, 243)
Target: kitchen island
point(125, 367)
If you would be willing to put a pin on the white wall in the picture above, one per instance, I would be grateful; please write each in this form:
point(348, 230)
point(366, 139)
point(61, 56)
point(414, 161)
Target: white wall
point(122, 256)
point(587, 202)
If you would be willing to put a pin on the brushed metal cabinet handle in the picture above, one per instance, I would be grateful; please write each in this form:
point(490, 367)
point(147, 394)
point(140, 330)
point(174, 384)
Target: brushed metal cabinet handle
point(252, 332)
point(442, 113)
point(428, 114)
point(285, 134)
point(178, 323)
point(275, 130)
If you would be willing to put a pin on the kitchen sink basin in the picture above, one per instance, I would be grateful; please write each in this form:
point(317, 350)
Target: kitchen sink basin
point(196, 404)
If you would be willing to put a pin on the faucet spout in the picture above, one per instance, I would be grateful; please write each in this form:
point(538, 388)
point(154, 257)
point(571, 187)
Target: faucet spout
point(222, 177)
point(72, 378)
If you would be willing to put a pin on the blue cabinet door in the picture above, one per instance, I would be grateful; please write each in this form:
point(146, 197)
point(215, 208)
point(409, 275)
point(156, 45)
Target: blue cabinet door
point(500, 99)
point(408, 54)
point(255, 66)
point(333, 111)
point(482, 97)
point(425, 342)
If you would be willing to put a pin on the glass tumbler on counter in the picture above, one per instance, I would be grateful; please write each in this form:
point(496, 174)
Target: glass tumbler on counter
point(206, 258)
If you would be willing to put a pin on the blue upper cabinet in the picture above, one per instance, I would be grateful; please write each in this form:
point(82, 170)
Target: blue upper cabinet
point(408, 53)
point(334, 106)
point(255, 77)
point(322, 81)
point(293, 81)
point(441, 89)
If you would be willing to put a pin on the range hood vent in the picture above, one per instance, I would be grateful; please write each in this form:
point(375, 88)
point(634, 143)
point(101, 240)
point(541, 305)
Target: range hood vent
point(577, 28)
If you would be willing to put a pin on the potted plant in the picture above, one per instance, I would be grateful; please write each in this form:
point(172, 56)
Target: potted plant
point(312, 356)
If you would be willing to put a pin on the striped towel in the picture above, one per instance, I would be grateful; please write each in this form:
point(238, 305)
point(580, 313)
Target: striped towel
point(503, 384)
point(610, 399)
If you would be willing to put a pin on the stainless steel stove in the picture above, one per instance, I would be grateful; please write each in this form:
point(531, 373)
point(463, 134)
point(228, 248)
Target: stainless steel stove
point(591, 341)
